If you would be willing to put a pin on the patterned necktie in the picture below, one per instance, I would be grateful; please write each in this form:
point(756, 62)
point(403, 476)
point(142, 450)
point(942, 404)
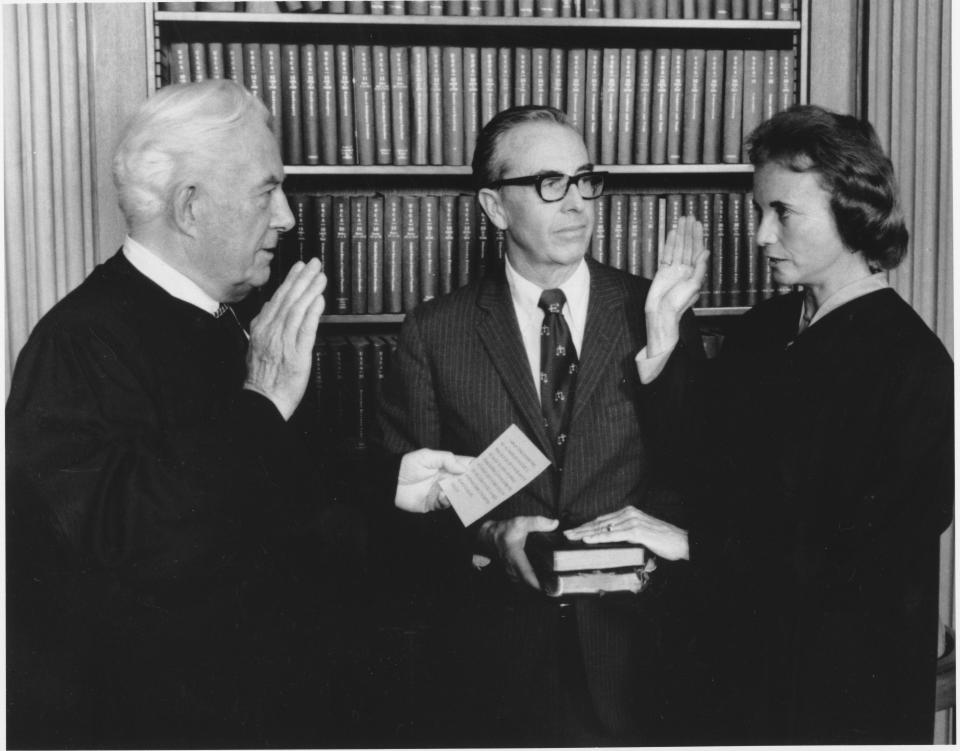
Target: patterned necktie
point(229, 323)
point(558, 370)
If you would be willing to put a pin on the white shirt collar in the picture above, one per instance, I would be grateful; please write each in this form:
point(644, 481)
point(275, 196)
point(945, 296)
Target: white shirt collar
point(526, 294)
point(166, 277)
point(845, 294)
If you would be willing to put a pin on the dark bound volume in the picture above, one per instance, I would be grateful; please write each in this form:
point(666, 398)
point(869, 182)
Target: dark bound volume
point(488, 84)
point(717, 252)
point(466, 251)
point(382, 116)
point(576, 68)
point(732, 106)
point(644, 87)
point(327, 104)
point(539, 76)
point(649, 234)
point(290, 102)
point(705, 215)
point(348, 154)
point(234, 62)
point(609, 106)
point(447, 230)
point(310, 104)
point(323, 247)
point(558, 77)
point(410, 252)
point(694, 69)
point(733, 284)
point(358, 255)
point(435, 114)
point(675, 107)
point(375, 254)
point(419, 102)
point(363, 104)
point(752, 91)
point(713, 107)
point(771, 83)
point(659, 107)
point(504, 78)
point(564, 567)
point(598, 244)
point(471, 101)
point(198, 61)
point(178, 59)
point(360, 392)
point(751, 257)
point(522, 76)
point(429, 248)
point(633, 234)
point(400, 105)
point(591, 103)
point(215, 63)
point(341, 254)
point(252, 75)
point(392, 253)
point(452, 106)
point(626, 119)
point(617, 255)
point(272, 90)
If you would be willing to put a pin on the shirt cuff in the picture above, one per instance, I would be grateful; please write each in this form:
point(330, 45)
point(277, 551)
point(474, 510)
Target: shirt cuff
point(649, 368)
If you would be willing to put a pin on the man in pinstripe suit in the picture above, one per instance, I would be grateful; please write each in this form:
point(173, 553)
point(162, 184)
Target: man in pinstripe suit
point(528, 669)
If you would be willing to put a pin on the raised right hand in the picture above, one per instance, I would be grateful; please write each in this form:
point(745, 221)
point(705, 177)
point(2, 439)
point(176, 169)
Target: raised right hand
point(506, 540)
point(282, 338)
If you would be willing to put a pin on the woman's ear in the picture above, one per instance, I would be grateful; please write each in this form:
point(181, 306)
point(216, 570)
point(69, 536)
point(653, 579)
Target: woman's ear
point(490, 202)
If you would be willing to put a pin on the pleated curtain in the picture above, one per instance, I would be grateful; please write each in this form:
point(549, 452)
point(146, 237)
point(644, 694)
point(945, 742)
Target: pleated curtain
point(48, 165)
point(908, 102)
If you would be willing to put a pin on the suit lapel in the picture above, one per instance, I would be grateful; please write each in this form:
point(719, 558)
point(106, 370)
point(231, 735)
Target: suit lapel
point(498, 331)
point(602, 333)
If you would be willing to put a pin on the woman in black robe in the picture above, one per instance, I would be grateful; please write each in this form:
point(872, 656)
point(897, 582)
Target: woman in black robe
point(818, 454)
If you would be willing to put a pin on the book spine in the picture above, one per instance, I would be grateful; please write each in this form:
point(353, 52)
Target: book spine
point(704, 9)
point(788, 62)
point(198, 62)
point(419, 101)
point(721, 10)
point(751, 258)
point(410, 252)
point(674, 8)
point(429, 248)
point(471, 101)
point(694, 70)
point(633, 234)
point(591, 103)
point(539, 76)
point(617, 256)
point(525, 8)
point(522, 76)
point(598, 243)
point(548, 8)
point(400, 105)
point(234, 62)
point(363, 104)
point(674, 211)
point(626, 9)
point(649, 234)
point(466, 240)
point(382, 105)
point(474, 8)
point(752, 91)
point(576, 70)
point(641, 136)
point(659, 107)
point(768, 10)
point(447, 232)
point(558, 78)
point(734, 278)
point(658, 8)
point(492, 8)
point(609, 106)
point(327, 104)
point(341, 253)
point(504, 78)
point(272, 90)
point(705, 215)
point(675, 107)
point(396, 8)
point(717, 252)
point(785, 10)
point(216, 68)
point(771, 83)
point(375, 254)
point(738, 9)
point(252, 68)
point(455, 7)
point(179, 58)
point(625, 117)
point(393, 253)
point(488, 84)
point(732, 106)
point(643, 9)
point(358, 254)
point(290, 93)
point(310, 104)
point(753, 10)
point(453, 124)
point(348, 153)
point(483, 251)
point(435, 104)
point(592, 9)
point(323, 247)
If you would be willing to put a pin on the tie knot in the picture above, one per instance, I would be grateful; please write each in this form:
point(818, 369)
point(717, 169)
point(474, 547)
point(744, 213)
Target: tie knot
point(221, 310)
point(552, 300)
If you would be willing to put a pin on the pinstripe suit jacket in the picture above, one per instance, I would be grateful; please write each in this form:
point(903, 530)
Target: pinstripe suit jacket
point(461, 377)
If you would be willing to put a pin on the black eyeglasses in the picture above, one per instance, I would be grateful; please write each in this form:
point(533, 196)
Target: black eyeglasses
point(553, 186)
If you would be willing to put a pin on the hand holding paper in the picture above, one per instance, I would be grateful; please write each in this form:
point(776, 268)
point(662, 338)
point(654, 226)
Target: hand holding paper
point(418, 483)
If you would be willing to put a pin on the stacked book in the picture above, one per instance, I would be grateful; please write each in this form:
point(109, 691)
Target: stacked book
point(340, 104)
point(575, 568)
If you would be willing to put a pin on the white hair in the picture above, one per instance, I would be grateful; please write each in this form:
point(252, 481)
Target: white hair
point(181, 131)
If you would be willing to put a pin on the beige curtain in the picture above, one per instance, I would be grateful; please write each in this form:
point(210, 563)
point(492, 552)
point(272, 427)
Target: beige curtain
point(49, 216)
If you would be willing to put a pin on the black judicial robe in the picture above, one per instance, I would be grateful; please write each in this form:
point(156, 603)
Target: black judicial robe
point(164, 537)
point(816, 535)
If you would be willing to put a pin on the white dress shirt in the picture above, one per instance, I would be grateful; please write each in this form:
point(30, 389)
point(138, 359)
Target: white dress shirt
point(166, 277)
point(525, 295)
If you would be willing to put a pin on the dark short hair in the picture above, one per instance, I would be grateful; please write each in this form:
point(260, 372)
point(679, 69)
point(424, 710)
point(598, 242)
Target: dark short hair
point(850, 164)
point(487, 168)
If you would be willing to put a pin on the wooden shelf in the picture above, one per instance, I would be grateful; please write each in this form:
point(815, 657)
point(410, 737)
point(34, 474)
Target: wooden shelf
point(366, 19)
point(446, 171)
point(398, 317)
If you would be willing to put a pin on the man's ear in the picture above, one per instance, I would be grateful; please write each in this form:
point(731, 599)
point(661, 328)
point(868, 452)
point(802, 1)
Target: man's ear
point(490, 202)
point(185, 198)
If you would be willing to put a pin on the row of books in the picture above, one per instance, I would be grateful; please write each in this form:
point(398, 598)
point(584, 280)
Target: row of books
point(719, 10)
point(389, 253)
point(388, 105)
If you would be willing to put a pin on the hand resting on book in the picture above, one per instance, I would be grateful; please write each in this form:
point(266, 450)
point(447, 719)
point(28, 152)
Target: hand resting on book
point(418, 482)
point(507, 539)
point(630, 524)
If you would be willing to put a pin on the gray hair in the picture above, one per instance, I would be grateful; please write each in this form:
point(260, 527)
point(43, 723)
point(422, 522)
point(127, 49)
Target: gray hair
point(181, 131)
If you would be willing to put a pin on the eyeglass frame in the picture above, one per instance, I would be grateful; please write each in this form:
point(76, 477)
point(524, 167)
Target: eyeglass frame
point(537, 182)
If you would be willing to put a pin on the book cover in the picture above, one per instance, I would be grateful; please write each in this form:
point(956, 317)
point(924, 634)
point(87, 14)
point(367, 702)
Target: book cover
point(484, 244)
point(447, 233)
point(435, 112)
point(617, 255)
point(659, 106)
point(553, 552)
point(733, 280)
point(591, 103)
point(382, 105)
point(234, 62)
point(453, 124)
point(359, 393)
point(290, 103)
point(598, 243)
point(649, 235)
point(751, 258)
point(770, 91)
point(625, 118)
point(752, 91)
point(504, 78)
point(400, 105)
point(198, 61)
point(593, 583)
point(718, 252)
point(216, 66)
point(341, 255)
point(488, 84)
point(328, 118)
point(674, 207)
point(179, 63)
point(310, 104)
point(375, 254)
point(522, 76)
point(558, 78)
point(410, 252)
point(272, 90)
point(323, 244)
point(380, 366)
point(429, 248)
point(713, 107)
point(466, 240)
point(675, 107)
point(732, 106)
point(576, 71)
point(358, 255)
point(705, 215)
point(609, 106)
point(788, 62)
point(634, 213)
point(252, 72)
point(539, 76)
point(419, 105)
point(363, 104)
point(644, 87)
point(392, 253)
point(694, 72)
point(471, 101)
point(345, 133)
